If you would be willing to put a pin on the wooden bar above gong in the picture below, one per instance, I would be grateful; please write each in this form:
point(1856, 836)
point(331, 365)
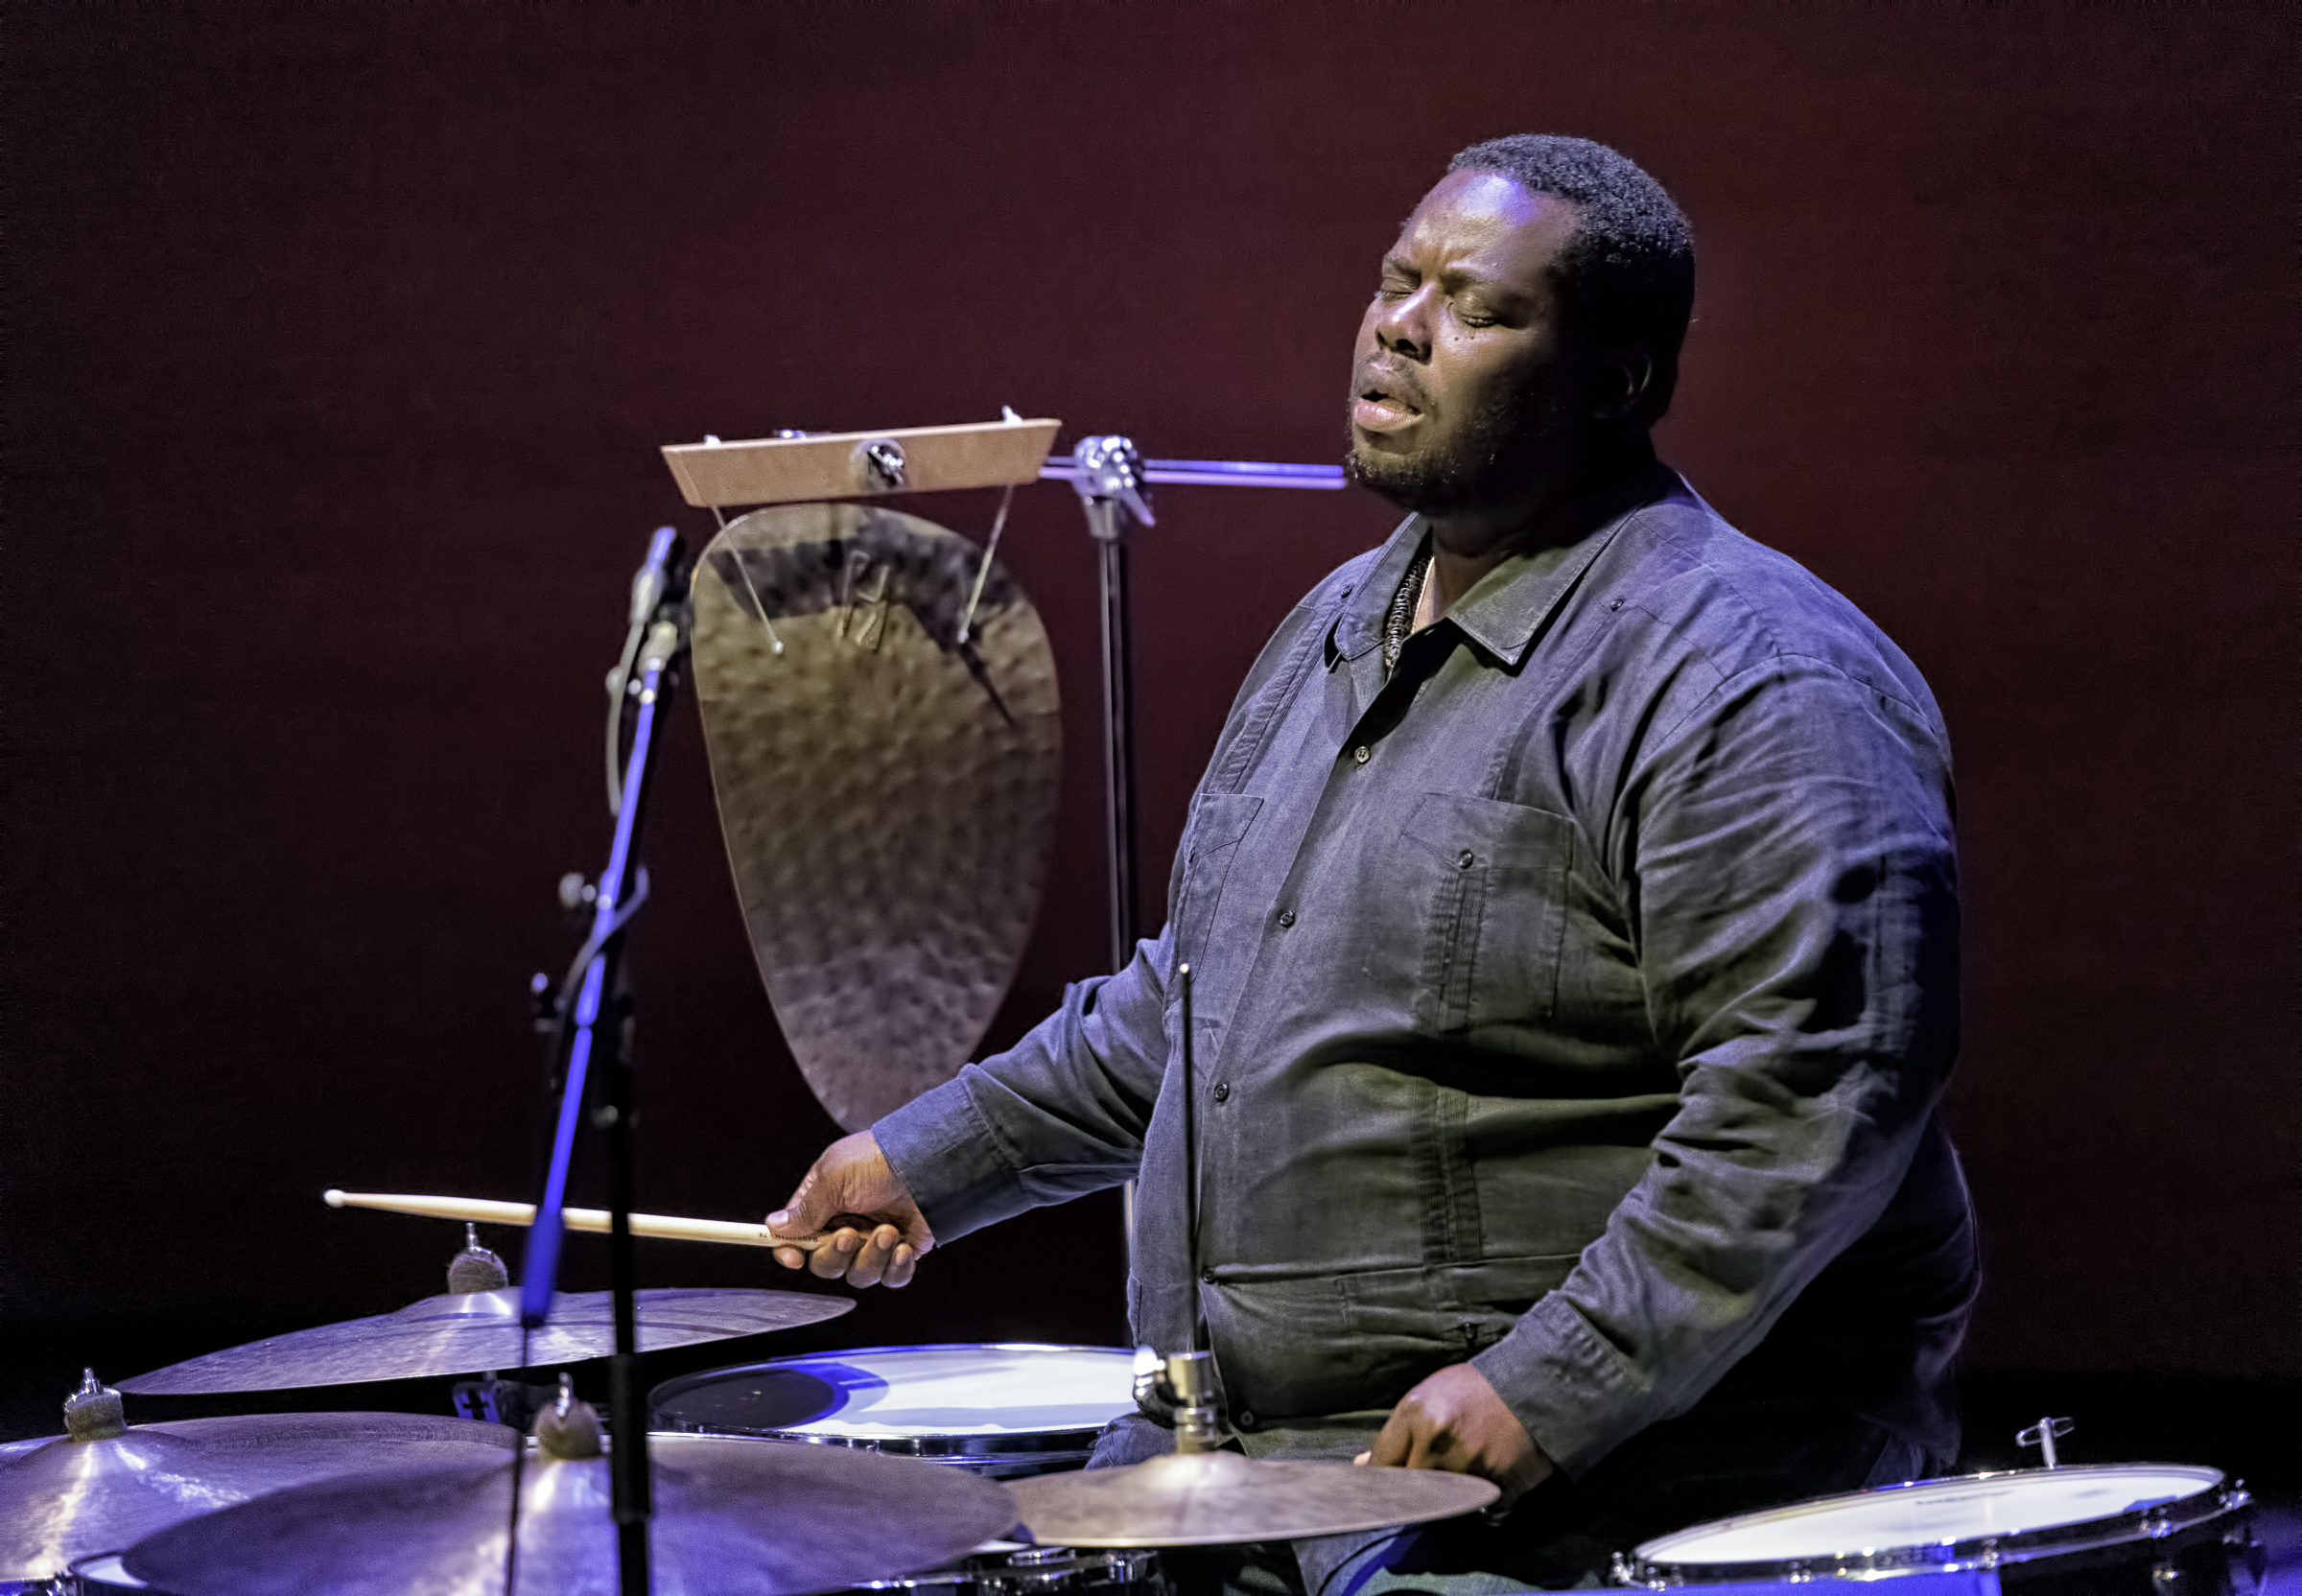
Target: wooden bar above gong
point(859, 465)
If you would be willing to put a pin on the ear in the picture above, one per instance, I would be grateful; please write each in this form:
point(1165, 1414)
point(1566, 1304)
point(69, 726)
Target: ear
point(1624, 380)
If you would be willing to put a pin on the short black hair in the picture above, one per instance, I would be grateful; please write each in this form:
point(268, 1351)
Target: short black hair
point(1628, 274)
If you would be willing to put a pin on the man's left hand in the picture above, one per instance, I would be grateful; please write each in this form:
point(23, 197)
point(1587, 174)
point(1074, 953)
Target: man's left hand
point(1455, 1421)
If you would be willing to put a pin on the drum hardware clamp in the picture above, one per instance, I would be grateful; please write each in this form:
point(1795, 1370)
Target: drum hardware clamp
point(2043, 1434)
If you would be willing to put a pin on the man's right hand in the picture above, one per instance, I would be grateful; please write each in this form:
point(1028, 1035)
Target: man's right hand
point(877, 1233)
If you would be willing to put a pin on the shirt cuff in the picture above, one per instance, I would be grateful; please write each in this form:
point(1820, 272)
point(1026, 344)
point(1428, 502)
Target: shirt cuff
point(946, 1154)
point(1578, 1398)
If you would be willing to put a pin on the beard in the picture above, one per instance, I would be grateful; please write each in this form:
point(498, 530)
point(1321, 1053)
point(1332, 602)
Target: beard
point(1495, 455)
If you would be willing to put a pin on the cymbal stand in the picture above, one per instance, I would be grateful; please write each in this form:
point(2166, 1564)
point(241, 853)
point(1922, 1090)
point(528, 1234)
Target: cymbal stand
point(1113, 483)
point(594, 1023)
point(1188, 1377)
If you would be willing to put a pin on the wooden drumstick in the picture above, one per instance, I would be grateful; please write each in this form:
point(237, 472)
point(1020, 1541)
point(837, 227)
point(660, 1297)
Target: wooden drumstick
point(657, 1227)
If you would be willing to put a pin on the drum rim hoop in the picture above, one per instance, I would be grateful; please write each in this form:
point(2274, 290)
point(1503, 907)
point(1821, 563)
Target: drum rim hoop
point(2218, 1497)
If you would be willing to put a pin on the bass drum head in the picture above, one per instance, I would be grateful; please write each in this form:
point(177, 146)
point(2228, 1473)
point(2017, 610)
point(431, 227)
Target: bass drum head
point(1004, 1409)
point(1975, 1521)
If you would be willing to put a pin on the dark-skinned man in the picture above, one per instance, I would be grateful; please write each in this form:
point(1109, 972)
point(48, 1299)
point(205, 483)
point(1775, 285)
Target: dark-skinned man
point(1572, 909)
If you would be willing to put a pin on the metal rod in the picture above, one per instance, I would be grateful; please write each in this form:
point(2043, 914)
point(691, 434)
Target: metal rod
point(1214, 473)
point(1190, 1162)
point(1107, 520)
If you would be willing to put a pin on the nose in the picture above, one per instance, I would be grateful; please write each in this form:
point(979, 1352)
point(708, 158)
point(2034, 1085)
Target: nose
point(1403, 328)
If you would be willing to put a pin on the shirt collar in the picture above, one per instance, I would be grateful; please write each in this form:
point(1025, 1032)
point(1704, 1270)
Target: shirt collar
point(1505, 609)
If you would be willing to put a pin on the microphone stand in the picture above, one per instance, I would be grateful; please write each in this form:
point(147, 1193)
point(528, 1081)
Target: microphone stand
point(595, 1026)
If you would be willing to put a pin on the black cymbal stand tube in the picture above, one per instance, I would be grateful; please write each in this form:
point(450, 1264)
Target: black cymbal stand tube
point(596, 1021)
point(1108, 475)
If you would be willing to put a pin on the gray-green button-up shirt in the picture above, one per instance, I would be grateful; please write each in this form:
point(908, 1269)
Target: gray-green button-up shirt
point(1575, 1001)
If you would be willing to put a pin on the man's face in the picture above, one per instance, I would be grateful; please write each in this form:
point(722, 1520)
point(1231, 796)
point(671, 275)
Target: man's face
point(1464, 387)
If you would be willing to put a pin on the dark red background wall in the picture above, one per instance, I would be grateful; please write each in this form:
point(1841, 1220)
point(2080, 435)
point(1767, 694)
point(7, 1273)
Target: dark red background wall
point(340, 341)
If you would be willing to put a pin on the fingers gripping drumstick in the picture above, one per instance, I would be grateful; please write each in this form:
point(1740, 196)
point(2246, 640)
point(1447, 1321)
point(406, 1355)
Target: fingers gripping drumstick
point(659, 1226)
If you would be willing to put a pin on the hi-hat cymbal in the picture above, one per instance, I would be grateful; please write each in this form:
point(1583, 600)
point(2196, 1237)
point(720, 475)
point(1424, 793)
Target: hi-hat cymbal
point(1214, 1499)
point(465, 1334)
point(734, 1516)
point(63, 1498)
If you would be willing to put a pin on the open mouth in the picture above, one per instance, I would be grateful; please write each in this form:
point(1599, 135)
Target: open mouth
point(1385, 402)
point(1379, 408)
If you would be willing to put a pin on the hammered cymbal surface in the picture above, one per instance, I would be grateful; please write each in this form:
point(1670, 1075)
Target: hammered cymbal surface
point(466, 1333)
point(888, 793)
point(733, 1516)
point(62, 1498)
point(1217, 1498)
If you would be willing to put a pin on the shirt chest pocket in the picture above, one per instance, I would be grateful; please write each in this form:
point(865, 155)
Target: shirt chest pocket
point(1210, 842)
point(1491, 877)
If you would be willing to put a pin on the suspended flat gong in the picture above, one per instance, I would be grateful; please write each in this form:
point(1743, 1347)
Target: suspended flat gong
point(888, 792)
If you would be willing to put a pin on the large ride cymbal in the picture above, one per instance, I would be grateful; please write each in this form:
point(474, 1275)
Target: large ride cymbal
point(464, 1333)
point(887, 786)
point(1214, 1498)
point(734, 1516)
point(63, 1498)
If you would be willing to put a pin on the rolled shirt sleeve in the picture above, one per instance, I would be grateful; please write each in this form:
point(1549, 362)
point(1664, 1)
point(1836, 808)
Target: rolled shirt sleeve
point(1786, 856)
point(1059, 1115)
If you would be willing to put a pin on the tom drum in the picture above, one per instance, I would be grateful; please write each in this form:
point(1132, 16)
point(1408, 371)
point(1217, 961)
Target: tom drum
point(1001, 1409)
point(2101, 1530)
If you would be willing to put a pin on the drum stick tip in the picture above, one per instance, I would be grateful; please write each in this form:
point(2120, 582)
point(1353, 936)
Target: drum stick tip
point(333, 1197)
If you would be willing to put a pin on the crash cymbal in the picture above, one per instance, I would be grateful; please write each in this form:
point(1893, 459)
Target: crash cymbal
point(106, 1484)
point(1212, 1499)
point(465, 1334)
point(887, 786)
point(734, 1516)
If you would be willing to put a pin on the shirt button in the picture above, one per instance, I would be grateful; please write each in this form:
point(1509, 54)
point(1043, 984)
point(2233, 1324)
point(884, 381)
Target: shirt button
point(1464, 859)
point(1207, 1277)
point(1362, 753)
point(1246, 1418)
point(1286, 916)
point(1222, 1091)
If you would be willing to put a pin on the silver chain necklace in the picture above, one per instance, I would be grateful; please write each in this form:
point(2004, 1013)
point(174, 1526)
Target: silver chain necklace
point(1399, 623)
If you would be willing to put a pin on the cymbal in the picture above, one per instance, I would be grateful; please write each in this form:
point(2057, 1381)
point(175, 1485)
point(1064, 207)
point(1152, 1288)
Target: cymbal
point(465, 1334)
point(62, 1498)
point(1212, 1499)
point(733, 1515)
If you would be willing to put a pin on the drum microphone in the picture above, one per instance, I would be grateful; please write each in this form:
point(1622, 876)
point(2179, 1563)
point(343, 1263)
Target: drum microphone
point(647, 587)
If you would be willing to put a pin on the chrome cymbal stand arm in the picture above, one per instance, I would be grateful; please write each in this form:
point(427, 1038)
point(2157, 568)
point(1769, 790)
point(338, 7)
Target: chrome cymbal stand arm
point(594, 1023)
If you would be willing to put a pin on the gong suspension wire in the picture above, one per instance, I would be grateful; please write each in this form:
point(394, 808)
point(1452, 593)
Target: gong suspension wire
point(991, 546)
point(743, 570)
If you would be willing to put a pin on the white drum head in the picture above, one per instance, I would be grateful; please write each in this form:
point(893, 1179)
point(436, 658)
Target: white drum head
point(892, 1394)
point(996, 1390)
point(1931, 1515)
point(105, 1573)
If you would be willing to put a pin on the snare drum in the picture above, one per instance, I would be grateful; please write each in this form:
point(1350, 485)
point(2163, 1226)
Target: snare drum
point(1005, 1409)
point(2150, 1528)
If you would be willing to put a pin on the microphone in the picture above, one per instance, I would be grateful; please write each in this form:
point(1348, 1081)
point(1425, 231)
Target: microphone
point(647, 587)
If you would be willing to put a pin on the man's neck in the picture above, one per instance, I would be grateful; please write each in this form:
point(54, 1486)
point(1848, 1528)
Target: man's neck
point(1458, 561)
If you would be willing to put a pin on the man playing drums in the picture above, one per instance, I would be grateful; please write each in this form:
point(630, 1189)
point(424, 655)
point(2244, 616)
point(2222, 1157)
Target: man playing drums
point(1573, 912)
